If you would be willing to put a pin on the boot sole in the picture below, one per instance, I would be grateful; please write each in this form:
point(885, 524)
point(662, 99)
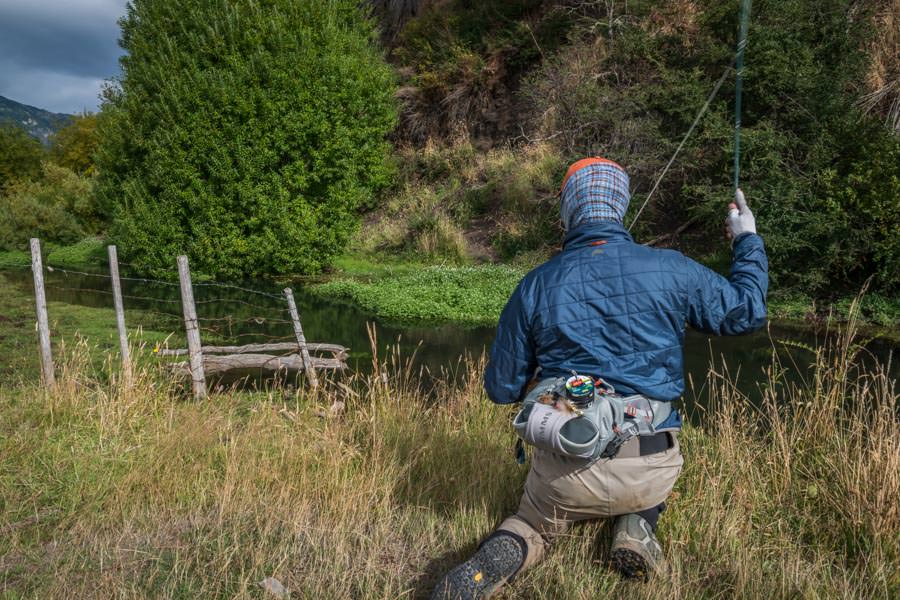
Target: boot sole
point(630, 564)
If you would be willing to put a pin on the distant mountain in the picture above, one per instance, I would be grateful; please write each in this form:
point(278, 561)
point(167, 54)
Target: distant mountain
point(37, 122)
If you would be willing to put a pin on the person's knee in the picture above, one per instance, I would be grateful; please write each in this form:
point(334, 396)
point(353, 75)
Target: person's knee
point(535, 542)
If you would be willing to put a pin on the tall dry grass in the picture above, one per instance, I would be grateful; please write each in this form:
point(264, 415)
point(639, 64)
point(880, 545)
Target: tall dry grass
point(883, 75)
point(134, 492)
point(460, 204)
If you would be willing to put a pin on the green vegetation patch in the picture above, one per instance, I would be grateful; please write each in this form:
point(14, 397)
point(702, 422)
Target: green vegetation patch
point(14, 258)
point(413, 292)
point(265, 138)
point(473, 295)
point(89, 251)
point(875, 310)
point(70, 326)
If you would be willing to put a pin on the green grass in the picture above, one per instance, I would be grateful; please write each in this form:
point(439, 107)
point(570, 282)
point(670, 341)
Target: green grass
point(473, 295)
point(410, 292)
point(135, 492)
point(380, 265)
point(14, 259)
point(89, 251)
point(69, 324)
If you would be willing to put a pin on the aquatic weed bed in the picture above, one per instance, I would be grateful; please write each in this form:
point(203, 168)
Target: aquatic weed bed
point(470, 294)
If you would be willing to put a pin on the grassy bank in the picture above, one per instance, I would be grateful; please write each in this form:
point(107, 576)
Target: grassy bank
point(89, 252)
point(466, 294)
point(411, 292)
point(112, 492)
point(69, 324)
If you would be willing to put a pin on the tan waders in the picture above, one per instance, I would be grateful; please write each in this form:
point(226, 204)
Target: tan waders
point(560, 491)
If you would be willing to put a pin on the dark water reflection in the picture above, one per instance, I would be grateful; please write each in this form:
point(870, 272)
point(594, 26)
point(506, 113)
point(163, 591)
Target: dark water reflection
point(233, 315)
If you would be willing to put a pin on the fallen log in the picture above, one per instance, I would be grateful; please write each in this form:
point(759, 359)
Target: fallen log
point(337, 350)
point(263, 362)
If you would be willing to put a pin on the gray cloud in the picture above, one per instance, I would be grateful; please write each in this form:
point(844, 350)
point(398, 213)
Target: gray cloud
point(55, 54)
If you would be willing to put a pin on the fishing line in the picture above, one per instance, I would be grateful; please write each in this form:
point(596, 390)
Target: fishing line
point(684, 140)
point(738, 64)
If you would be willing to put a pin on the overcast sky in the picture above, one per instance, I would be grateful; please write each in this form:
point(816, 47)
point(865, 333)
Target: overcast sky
point(55, 54)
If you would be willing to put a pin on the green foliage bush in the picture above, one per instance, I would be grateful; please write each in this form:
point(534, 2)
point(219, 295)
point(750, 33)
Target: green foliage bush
point(20, 155)
point(821, 178)
point(244, 134)
point(74, 145)
point(59, 207)
point(861, 197)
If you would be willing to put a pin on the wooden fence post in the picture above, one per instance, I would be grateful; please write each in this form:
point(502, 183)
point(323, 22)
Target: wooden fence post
point(120, 313)
point(40, 300)
point(301, 339)
point(198, 380)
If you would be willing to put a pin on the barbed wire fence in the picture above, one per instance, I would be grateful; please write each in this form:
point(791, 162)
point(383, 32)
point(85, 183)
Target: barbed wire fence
point(153, 297)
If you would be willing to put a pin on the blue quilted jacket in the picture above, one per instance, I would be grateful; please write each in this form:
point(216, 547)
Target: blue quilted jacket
point(611, 308)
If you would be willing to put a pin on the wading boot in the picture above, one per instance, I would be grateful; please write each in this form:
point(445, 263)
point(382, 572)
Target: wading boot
point(498, 558)
point(635, 551)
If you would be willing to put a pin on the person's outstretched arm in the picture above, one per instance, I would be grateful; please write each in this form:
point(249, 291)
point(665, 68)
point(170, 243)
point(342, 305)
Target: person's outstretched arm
point(512, 361)
point(737, 304)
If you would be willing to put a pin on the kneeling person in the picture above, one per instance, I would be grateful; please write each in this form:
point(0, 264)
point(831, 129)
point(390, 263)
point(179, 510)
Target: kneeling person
point(605, 307)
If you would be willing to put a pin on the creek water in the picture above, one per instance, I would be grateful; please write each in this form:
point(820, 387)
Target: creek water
point(237, 315)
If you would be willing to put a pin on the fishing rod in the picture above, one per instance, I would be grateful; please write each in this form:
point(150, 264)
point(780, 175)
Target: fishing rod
point(739, 89)
point(738, 64)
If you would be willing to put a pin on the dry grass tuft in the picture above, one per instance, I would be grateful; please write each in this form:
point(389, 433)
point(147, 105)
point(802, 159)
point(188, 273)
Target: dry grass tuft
point(461, 205)
point(883, 77)
point(108, 491)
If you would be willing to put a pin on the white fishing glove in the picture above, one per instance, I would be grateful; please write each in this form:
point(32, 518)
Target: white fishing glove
point(740, 220)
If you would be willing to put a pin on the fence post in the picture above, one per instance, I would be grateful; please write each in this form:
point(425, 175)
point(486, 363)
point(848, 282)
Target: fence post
point(120, 312)
point(40, 300)
point(301, 339)
point(198, 380)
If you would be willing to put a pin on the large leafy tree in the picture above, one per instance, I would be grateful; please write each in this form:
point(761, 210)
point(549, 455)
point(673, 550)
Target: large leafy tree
point(74, 145)
point(20, 155)
point(245, 133)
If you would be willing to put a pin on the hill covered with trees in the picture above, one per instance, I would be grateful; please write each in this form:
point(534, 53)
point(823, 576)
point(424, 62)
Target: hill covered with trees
point(39, 123)
point(257, 139)
point(497, 97)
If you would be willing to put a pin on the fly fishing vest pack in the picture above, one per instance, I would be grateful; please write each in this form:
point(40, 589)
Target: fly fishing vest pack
point(583, 418)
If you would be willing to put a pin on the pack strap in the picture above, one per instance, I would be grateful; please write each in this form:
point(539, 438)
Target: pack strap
point(626, 432)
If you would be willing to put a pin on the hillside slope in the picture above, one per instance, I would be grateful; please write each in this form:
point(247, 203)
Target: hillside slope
point(498, 96)
point(39, 123)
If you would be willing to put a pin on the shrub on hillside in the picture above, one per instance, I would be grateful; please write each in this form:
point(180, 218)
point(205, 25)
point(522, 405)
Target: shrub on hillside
point(862, 199)
point(463, 60)
point(820, 178)
point(244, 134)
point(506, 199)
point(59, 207)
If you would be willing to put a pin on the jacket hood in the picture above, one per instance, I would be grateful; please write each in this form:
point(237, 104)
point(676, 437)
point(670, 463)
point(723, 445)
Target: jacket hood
point(594, 189)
